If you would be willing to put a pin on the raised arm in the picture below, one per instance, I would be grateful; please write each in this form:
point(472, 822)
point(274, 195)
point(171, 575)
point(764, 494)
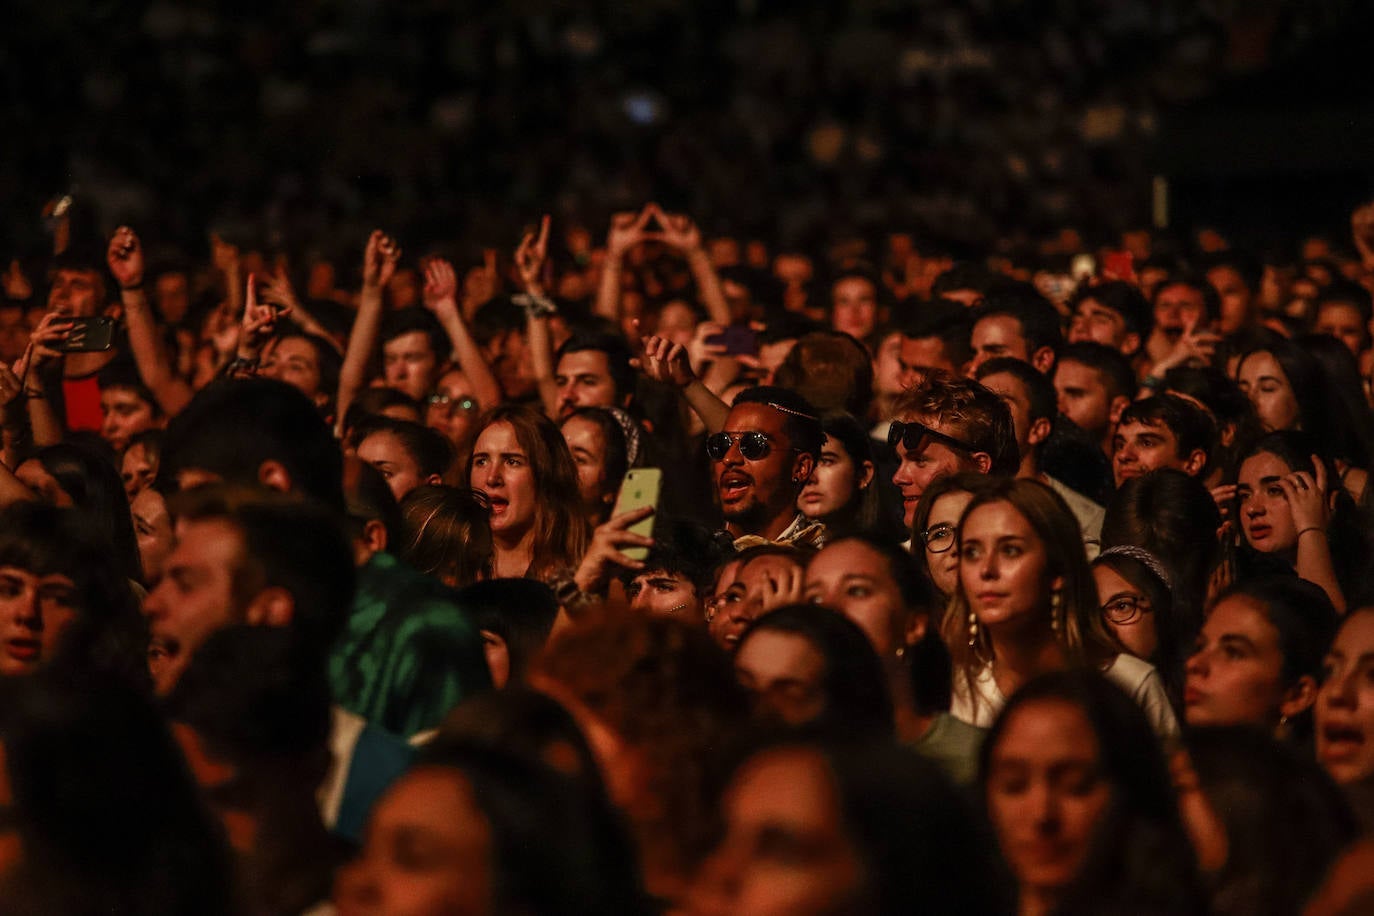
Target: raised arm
point(1311, 506)
point(665, 361)
point(681, 233)
point(441, 297)
point(379, 263)
point(275, 289)
point(627, 230)
point(530, 258)
point(125, 258)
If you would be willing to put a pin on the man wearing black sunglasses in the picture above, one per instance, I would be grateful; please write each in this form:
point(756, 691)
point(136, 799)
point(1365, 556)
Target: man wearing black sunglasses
point(946, 425)
point(761, 459)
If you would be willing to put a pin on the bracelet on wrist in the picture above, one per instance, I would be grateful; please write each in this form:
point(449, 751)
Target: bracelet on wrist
point(1315, 528)
point(132, 287)
point(1152, 383)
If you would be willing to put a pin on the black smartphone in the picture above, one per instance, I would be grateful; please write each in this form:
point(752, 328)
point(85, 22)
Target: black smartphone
point(89, 335)
point(737, 339)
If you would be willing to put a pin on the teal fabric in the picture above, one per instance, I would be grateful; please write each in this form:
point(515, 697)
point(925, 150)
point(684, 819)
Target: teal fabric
point(408, 654)
point(379, 759)
point(954, 745)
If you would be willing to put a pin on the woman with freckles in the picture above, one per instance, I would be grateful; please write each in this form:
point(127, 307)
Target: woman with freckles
point(1027, 604)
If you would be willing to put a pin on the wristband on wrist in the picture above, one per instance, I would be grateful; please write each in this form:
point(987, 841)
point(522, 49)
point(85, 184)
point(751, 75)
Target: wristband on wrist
point(132, 287)
point(1152, 383)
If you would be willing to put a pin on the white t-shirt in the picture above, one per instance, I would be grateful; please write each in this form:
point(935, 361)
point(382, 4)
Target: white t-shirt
point(1135, 676)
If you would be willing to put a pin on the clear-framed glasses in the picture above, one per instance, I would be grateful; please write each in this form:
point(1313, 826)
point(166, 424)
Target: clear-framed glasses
point(939, 538)
point(1124, 609)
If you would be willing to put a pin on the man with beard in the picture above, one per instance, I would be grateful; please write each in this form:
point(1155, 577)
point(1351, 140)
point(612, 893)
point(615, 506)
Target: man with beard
point(760, 460)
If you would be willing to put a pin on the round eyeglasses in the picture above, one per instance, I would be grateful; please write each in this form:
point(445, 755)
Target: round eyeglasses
point(939, 538)
point(1124, 609)
point(452, 405)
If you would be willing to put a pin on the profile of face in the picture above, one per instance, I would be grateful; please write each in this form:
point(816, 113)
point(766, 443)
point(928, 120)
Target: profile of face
point(920, 467)
point(452, 410)
point(785, 850)
point(940, 539)
point(1139, 448)
point(75, 293)
point(584, 380)
point(45, 486)
point(36, 612)
point(1345, 703)
point(1235, 675)
point(1046, 793)
point(887, 365)
point(753, 491)
point(385, 452)
point(1235, 295)
point(1177, 306)
point(784, 673)
point(409, 364)
point(153, 531)
point(137, 469)
point(856, 580)
point(921, 356)
point(124, 414)
point(1265, 515)
point(1014, 393)
point(664, 593)
point(195, 597)
point(1083, 397)
point(728, 617)
point(1342, 321)
point(1093, 321)
point(836, 483)
point(1127, 611)
point(501, 469)
point(1004, 570)
point(427, 850)
point(998, 335)
point(1264, 382)
point(587, 442)
point(854, 307)
point(293, 360)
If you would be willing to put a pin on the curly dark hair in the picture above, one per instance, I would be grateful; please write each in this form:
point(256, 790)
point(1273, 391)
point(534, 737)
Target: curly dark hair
point(668, 692)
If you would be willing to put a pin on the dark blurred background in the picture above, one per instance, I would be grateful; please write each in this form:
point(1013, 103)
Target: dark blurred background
point(304, 124)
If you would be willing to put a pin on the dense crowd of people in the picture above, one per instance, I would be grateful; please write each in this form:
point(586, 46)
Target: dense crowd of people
point(677, 572)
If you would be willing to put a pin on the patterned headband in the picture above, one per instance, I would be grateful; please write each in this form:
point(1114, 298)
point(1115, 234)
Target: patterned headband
point(1142, 556)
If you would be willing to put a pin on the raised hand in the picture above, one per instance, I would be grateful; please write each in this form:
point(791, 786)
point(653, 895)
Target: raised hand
point(604, 555)
point(52, 330)
point(125, 257)
point(441, 285)
point(1195, 344)
point(276, 289)
point(664, 361)
point(679, 230)
point(379, 259)
point(628, 230)
point(531, 255)
point(1307, 498)
point(259, 321)
point(10, 387)
point(16, 283)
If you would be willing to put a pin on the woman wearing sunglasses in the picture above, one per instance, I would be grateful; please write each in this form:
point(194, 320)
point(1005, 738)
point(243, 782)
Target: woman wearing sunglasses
point(1027, 604)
